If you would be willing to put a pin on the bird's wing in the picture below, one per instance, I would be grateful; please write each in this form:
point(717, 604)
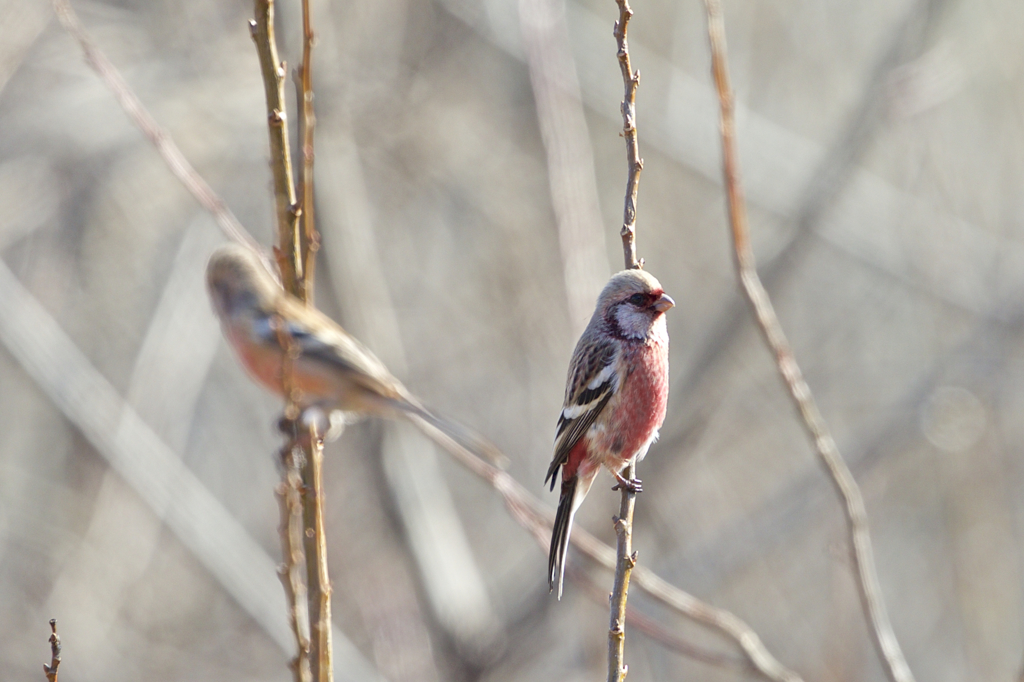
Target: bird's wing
point(321, 338)
point(592, 383)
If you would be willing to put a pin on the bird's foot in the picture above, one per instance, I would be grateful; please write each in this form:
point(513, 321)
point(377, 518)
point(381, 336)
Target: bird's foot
point(286, 425)
point(633, 486)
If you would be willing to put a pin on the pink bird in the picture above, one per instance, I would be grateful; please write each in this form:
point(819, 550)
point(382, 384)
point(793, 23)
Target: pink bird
point(616, 394)
point(330, 369)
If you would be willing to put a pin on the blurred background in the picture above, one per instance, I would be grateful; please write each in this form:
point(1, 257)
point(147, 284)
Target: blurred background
point(470, 179)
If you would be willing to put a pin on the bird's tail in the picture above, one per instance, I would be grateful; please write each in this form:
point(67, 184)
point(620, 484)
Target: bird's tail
point(567, 506)
point(447, 434)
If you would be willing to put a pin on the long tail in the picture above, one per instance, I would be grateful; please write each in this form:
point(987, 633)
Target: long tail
point(560, 533)
point(445, 433)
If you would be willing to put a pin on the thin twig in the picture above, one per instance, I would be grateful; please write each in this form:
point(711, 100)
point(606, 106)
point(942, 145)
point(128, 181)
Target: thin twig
point(626, 557)
point(289, 250)
point(292, 493)
point(317, 576)
point(288, 495)
point(631, 79)
point(51, 670)
point(625, 561)
point(856, 516)
point(310, 238)
point(303, 238)
point(165, 146)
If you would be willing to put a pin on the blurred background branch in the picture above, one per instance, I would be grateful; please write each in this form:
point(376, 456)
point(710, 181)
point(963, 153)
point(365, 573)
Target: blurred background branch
point(746, 267)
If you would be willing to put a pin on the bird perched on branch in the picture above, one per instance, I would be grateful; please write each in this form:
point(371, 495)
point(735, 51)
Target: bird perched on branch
point(325, 368)
point(616, 394)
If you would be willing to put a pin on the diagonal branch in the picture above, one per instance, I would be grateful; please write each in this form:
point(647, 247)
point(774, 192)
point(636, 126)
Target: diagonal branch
point(165, 146)
point(856, 515)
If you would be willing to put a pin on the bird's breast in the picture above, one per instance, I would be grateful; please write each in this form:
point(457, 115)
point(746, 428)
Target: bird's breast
point(638, 411)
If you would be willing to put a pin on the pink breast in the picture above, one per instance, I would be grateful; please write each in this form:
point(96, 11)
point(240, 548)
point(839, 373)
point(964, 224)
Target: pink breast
point(644, 401)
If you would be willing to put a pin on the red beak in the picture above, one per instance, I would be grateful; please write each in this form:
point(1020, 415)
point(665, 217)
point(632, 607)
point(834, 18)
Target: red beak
point(663, 303)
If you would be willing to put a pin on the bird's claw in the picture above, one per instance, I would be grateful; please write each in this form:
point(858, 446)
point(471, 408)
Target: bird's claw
point(630, 485)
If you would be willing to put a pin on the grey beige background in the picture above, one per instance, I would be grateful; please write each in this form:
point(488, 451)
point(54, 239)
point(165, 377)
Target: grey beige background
point(883, 151)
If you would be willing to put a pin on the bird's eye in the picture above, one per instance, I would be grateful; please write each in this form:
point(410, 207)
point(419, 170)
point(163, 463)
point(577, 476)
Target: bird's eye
point(638, 299)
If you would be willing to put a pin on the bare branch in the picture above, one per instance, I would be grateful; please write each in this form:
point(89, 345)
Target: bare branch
point(626, 558)
point(165, 146)
point(289, 248)
point(296, 254)
point(625, 561)
point(309, 238)
point(631, 79)
point(51, 670)
point(288, 495)
point(317, 576)
point(856, 516)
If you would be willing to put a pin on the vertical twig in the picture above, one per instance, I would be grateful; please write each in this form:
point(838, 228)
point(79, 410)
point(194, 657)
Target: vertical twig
point(631, 79)
point(289, 248)
point(624, 562)
point(51, 670)
point(296, 253)
point(856, 516)
point(309, 238)
point(316, 558)
point(291, 493)
point(308, 241)
point(289, 499)
point(625, 556)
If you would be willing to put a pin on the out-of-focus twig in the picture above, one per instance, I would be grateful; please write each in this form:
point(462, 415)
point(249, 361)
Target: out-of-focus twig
point(450, 576)
point(51, 670)
point(317, 576)
point(309, 238)
point(856, 515)
point(165, 146)
point(296, 251)
point(290, 572)
point(289, 249)
point(570, 159)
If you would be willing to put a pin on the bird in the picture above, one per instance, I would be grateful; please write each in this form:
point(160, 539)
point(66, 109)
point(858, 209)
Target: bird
point(616, 395)
point(326, 368)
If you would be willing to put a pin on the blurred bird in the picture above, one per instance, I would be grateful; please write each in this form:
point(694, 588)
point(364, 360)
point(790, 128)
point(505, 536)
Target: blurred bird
point(616, 394)
point(328, 369)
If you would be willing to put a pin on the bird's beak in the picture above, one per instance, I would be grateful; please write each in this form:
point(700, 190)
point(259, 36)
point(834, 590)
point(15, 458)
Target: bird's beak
point(663, 303)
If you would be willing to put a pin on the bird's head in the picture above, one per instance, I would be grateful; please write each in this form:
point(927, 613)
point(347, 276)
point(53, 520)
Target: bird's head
point(238, 281)
point(632, 303)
